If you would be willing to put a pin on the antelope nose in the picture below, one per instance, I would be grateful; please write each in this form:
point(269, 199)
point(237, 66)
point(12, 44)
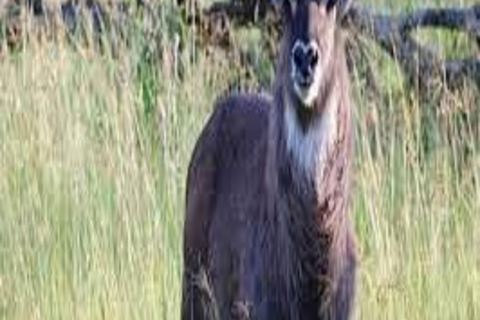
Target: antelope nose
point(304, 60)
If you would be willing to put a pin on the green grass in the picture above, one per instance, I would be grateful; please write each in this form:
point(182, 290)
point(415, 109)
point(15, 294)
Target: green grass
point(93, 156)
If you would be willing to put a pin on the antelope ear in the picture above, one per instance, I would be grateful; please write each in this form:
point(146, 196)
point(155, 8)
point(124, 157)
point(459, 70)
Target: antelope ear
point(285, 6)
point(331, 10)
point(341, 6)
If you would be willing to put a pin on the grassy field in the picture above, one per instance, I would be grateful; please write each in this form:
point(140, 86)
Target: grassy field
point(93, 156)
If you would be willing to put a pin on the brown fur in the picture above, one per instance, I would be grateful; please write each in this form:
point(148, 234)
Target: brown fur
point(262, 241)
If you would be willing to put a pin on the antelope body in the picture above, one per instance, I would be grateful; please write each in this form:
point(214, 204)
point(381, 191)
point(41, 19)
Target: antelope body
point(267, 234)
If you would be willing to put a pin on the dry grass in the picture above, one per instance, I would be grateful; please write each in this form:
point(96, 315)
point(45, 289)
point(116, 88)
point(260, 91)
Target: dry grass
point(92, 173)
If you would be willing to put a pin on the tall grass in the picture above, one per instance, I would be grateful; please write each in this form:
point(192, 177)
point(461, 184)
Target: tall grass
point(417, 209)
point(91, 190)
point(93, 156)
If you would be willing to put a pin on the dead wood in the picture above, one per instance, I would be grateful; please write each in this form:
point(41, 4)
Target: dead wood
point(393, 33)
point(422, 66)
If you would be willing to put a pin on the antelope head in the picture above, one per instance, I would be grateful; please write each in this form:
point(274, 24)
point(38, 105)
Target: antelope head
point(310, 40)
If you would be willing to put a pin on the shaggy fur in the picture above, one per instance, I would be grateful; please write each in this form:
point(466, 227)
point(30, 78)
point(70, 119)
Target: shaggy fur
point(267, 234)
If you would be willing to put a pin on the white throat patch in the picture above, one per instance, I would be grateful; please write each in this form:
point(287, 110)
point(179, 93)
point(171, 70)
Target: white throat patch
point(309, 149)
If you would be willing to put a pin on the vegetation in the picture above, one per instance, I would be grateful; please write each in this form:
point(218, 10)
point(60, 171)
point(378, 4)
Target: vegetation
point(94, 151)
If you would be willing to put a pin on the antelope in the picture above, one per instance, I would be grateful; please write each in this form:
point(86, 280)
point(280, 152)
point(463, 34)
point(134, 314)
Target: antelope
point(267, 234)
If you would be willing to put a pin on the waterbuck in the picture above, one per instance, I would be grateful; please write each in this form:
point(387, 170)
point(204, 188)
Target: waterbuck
point(267, 235)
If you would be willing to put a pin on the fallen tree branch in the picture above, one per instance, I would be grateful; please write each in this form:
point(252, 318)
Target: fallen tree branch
point(392, 33)
point(463, 19)
point(419, 63)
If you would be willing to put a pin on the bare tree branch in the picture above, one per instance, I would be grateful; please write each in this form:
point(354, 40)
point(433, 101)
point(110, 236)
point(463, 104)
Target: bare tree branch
point(391, 32)
point(419, 63)
point(464, 19)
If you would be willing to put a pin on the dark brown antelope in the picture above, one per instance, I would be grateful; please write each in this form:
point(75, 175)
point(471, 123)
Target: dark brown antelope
point(267, 234)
